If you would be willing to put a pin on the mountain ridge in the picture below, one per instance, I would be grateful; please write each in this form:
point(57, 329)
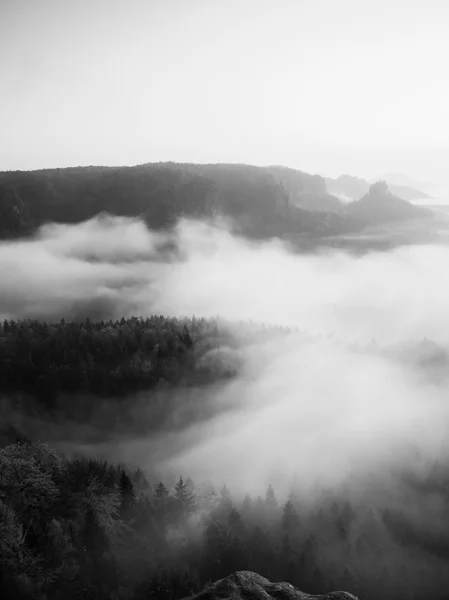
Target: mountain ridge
point(262, 202)
point(380, 205)
point(355, 188)
point(394, 178)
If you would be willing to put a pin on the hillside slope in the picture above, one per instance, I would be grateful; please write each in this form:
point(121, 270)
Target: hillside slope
point(261, 203)
point(245, 585)
point(306, 191)
point(380, 205)
point(400, 179)
point(355, 188)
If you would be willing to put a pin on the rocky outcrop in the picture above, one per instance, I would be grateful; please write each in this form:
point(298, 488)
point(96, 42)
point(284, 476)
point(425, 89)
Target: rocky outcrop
point(245, 585)
point(379, 205)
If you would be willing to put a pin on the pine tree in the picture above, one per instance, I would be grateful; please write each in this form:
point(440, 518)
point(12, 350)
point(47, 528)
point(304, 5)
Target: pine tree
point(288, 569)
point(99, 571)
point(224, 505)
point(95, 541)
point(161, 492)
point(185, 498)
point(235, 520)
point(247, 505)
point(140, 482)
point(128, 498)
point(270, 498)
point(225, 493)
point(342, 531)
point(290, 518)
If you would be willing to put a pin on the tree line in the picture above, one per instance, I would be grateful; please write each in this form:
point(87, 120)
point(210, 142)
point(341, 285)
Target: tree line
point(110, 358)
point(80, 527)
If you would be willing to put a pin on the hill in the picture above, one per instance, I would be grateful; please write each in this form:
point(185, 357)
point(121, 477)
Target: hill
point(380, 205)
point(261, 202)
point(253, 197)
point(245, 585)
point(354, 188)
point(306, 191)
point(409, 193)
point(399, 179)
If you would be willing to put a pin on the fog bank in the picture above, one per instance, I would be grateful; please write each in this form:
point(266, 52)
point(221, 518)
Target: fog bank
point(322, 409)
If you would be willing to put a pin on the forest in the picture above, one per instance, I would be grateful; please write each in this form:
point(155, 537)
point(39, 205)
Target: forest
point(80, 518)
point(262, 202)
point(78, 526)
point(105, 358)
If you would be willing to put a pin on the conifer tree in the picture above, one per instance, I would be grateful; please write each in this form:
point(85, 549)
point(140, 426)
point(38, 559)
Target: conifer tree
point(128, 498)
point(290, 519)
point(161, 493)
point(270, 498)
point(247, 505)
point(185, 498)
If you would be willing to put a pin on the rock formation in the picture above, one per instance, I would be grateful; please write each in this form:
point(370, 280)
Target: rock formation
point(245, 585)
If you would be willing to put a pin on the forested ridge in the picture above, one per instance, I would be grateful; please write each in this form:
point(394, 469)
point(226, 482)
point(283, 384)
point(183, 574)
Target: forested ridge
point(76, 526)
point(106, 358)
point(82, 528)
point(116, 358)
point(355, 188)
point(263, 202)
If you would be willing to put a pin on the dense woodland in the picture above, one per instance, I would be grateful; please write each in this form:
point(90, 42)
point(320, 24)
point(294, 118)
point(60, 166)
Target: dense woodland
point(82, 528)
point(79, 527)
point(105, 358)
point(263, 202)
point(119, 358)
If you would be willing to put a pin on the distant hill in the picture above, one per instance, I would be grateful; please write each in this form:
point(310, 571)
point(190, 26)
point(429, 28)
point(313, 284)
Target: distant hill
point(15, 218)
point(408, 193)
point(354, 188)
point(263, 202)
point(398, 179)
point(307, 191)
point(380, 205)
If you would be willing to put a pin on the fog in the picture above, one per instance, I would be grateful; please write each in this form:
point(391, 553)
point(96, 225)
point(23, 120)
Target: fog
point(327, 405)
point(112, 267)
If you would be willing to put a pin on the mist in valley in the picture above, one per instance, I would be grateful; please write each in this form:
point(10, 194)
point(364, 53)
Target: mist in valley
point(224, 300)
point(341, 394)
point(337, 393)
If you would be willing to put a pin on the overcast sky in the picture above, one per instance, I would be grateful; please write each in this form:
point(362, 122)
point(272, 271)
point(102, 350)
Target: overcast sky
point(326, 86)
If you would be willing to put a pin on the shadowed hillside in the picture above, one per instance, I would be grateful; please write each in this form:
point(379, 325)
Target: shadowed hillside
point(380, 205)
point(262, 202)
point(355, 188)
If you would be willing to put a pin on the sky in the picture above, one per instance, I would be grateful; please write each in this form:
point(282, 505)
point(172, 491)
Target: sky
point(326, 86)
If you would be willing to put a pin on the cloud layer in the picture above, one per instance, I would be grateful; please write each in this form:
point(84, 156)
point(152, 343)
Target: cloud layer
point(319, 408)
